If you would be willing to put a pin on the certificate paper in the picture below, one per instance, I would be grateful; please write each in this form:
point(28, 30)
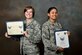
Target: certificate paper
point(62, 39)
point(15, 27)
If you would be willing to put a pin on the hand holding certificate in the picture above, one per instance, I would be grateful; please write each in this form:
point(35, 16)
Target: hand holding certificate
point(62, 39)
point(15, 28)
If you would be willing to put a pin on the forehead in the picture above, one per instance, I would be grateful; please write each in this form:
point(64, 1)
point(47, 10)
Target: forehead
point(28, 9)
point(53, 10)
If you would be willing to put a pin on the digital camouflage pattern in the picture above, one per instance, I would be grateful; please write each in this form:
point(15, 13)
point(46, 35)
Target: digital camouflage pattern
point(48, 39)
point(28, 44)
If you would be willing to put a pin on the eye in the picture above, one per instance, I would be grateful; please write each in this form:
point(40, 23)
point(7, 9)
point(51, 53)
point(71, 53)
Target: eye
point(30, 12)
point(53, 12)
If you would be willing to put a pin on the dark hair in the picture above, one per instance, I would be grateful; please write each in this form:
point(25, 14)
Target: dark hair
point(29, 7)
point(51, 9)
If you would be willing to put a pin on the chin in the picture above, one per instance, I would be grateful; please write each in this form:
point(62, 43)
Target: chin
point(29, 17)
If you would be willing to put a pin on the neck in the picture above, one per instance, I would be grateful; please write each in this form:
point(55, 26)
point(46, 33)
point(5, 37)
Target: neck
point(28, 20)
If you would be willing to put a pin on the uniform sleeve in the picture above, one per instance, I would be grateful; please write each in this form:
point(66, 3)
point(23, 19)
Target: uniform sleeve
point(35, 36)
point(46, 39)
point(16, 37)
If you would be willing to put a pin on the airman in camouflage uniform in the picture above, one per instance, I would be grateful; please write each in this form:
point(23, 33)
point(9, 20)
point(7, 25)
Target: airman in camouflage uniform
point(48, 36)
point(32, 34)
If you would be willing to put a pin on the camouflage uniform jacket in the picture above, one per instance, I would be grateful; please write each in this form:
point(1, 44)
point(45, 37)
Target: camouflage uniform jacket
point(28, 44)
point(48, 39)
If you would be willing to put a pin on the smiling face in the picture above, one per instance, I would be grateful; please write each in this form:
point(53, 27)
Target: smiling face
point(53, 14)
point(29, 14)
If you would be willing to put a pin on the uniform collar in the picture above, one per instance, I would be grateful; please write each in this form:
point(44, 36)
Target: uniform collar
point(50, 23)
point(30, 22)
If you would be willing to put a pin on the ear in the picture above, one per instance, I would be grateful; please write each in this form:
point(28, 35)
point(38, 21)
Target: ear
point(48, 14)
point(57, 14)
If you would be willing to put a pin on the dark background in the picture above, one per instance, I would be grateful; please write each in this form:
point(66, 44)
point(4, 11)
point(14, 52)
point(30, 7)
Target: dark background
point(70, 16)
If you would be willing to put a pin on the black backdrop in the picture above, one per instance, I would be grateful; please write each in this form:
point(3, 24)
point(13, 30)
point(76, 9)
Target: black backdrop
point(70, 15)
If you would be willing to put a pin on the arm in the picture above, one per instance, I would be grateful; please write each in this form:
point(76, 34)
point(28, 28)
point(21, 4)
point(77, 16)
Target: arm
point(12, 37)
point(46, 39)
point(68, 32)
point(6, 35)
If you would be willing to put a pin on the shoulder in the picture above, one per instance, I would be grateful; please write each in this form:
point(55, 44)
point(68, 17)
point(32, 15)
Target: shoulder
point(45, 25)
point(35, 23)
point(59, 24)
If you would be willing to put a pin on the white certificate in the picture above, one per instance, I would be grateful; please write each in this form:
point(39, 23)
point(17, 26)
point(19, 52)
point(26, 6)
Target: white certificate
point(15, 27)
point(62, 39)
